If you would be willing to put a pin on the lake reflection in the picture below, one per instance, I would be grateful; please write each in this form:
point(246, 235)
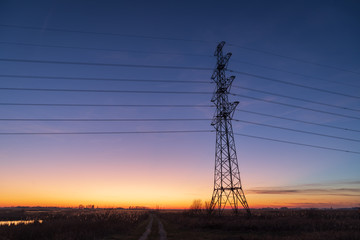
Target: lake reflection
point(19, 222)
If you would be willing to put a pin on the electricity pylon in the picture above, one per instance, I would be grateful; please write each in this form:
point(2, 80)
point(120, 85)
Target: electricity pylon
point(227, 183)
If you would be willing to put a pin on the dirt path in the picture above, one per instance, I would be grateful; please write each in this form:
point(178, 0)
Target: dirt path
point(161, 231)
point(148, 229)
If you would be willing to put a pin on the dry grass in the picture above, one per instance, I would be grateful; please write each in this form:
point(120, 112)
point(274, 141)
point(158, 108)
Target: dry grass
point(265, 225)
point(72, 224)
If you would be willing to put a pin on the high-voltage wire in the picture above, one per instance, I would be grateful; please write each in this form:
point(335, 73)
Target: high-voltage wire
point(164, 120)
point(170, 132)
point(106, 105)
point(105, 133)
point(293, 84)
point(296, 98)
point(297, 130)
point(170, 106)
point(102, 119)
point(295, 73)
point(296, 120)
point(171, 81)
point(294, 59)
point(105, 49)
point(172, 92)
point(172, 39)
point(102, 79)
point(103, 33)
point(296, 106)
point(297, 143)
point(104, 64)
point(174, 54)
point(101, 91)
point(172, 67)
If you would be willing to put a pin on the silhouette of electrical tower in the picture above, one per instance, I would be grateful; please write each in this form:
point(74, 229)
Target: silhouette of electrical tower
point(227, 183)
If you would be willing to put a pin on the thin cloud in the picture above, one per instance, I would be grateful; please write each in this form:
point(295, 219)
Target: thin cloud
point(313, 189)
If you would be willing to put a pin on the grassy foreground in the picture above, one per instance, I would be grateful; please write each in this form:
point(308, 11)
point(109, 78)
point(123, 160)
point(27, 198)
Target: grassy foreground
point(74, 224)
point(264, 225)
point(96, 224)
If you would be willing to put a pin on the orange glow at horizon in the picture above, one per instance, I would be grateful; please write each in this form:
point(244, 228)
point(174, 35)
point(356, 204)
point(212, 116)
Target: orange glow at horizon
point(115, 185)
point(167, 201)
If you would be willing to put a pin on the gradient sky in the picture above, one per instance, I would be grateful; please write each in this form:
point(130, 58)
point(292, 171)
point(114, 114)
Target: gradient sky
point(171, 170)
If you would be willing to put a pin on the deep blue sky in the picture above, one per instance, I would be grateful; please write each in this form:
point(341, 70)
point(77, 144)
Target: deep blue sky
point(322, 32)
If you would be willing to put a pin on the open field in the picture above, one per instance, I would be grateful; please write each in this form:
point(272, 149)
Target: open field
point(74, 224)
point(132, 224)
point(266, 224)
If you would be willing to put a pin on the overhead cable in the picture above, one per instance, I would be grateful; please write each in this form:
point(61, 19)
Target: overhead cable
point(101, 91)
point(162, 120)
point(294, 58)
point(296, 98)
point(295, 73)
point(296, 106)
point(105, 49)
point(297, 120)
point(102, 119)
point(174, 54)
point(297, 130)
point(107, 105)
point(104, 64)
point(171, 39)
point(170, 81)
point(105, 133)
point(293, 84)
point(297, 143)
point(101, 79)
point(103, 33)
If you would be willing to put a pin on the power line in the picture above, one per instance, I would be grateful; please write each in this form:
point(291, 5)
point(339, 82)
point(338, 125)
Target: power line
point(167, 106)
point(103, 33)
point(169, 132)
point(103, 64)
point(170, 53)
point(102, 119)
point(293, 84)
point(168, 81)
point(296, 98)
point(112, 132)
point(101, 91)
point(171, 39)
point(101, 79)
point(170, 92)
point(296, 106)
point(297, 130)
point(294, 59)
point(105, 49)
point(161, 120)
point(104, 105)
point(172, 67)
point(294, 73)
point(297, 120)
point(297, 143)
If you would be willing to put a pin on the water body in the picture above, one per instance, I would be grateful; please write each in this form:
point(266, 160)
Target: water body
point(19, 222)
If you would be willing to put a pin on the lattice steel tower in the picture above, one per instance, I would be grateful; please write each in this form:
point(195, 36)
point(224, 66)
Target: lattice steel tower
point(227, 183)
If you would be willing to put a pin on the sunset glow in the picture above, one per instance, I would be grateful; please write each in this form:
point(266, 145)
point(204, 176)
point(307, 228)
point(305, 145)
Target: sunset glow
point(109, 103)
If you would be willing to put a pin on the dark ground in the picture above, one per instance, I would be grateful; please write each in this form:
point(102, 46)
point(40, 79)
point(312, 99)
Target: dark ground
point(69, 224)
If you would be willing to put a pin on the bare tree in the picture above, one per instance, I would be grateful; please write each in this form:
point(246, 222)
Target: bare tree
point(196, 206)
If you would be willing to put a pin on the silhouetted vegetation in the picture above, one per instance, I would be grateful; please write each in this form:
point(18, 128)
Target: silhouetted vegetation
point(70, 224)
point(274, 224)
